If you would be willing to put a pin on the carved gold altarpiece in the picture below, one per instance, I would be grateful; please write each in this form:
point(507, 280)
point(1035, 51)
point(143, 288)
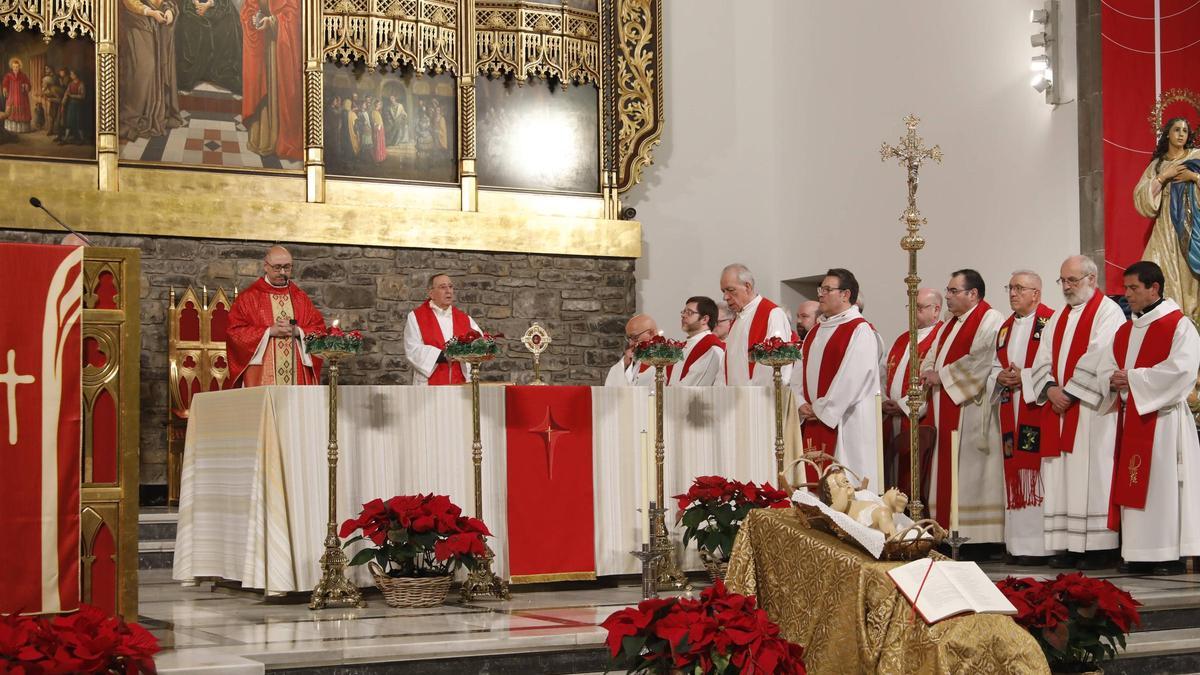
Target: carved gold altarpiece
point(616, 47)
point(109, 495)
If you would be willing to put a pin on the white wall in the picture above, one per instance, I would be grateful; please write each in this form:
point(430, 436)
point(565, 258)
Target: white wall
point(774, 161)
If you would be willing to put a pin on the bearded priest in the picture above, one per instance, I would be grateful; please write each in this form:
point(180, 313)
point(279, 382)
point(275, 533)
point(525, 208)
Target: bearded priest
point(267, 324)
point(756, 319)
point(703, 362)
point(428, 328)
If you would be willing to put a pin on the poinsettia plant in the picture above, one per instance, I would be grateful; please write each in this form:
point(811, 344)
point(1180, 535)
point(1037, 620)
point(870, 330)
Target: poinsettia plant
point(659, 348)
point(776, 349)
point(714, 507)
point(473, 343)
point(416, 536)
point(722, 632)
point(1078, 621)
point(333, 340)
point(86, 641)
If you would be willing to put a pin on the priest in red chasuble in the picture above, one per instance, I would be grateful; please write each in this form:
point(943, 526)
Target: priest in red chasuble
point(428, 328)
point(267, 324)
point(757, 319)
point(1150, 370)
point(840, 379)
point(897, 461)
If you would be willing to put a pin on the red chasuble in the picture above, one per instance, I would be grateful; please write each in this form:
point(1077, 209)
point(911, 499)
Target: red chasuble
point(1058, 432)
point(255, 311)
point(1021, 438)
point(815, 432)
point(431, 334)
point(1135, 432)
point(706, 343)
point(272, 68)
point(899, 347)
point(948, 410)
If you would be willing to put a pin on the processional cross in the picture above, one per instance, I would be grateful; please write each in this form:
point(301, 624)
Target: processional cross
point(9, 380)
point(911, 154)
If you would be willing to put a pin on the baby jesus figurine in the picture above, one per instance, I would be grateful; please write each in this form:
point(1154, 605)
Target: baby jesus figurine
point(839, 495)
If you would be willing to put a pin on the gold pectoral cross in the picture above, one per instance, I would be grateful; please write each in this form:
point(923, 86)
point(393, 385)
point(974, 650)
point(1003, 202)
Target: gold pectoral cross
point(1135, 463)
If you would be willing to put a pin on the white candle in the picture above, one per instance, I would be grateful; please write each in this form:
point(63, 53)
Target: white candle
point(954, 480)
point(335, 323)
point(645, 497)
point(879, 442)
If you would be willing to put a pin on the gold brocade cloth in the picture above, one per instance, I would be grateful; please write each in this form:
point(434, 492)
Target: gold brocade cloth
point(843, 608)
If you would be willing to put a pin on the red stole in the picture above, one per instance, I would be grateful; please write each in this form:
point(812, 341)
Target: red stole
point(1135, 432)
point(948, 410)
point(1058, 432)
point(1021, 437)
point(816, 433)
point(899, 347)
point(706, 343)
point(431, 334)
point(758, 326)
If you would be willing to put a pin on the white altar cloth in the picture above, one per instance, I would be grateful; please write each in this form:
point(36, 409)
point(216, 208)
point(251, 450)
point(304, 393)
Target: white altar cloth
point(253, 500)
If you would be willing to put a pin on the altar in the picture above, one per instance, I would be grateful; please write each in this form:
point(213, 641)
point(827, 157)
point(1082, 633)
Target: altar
point(253, 499)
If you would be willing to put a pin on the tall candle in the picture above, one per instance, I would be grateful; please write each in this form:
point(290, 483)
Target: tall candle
point(879, 442)
point(645, 496)
point(335, 323)
point(954, 480)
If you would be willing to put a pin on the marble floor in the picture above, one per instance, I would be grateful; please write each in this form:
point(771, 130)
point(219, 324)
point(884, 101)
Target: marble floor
point(214, 629)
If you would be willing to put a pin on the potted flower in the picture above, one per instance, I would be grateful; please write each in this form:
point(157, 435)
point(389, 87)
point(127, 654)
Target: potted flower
point(1078, 621)
point(713, 509)
point(721, 632)
point(659, 350)
point(419, 541)
point(335, 339)
point(87, 641)
point(473, 346)
point(775, 351)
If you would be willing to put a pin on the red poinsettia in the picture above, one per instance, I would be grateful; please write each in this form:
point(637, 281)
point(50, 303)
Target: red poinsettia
point(86, 641)
point(416, 535)
point(775, 347)
point(660, 341)
point(713, 508)
point(721, 632)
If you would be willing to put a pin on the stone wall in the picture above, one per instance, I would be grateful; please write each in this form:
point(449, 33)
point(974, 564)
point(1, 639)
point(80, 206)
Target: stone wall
point(582, 302)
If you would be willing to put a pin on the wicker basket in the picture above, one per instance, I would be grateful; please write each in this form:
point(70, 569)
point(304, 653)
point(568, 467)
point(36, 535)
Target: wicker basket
point(716, 568)
point(410, 591)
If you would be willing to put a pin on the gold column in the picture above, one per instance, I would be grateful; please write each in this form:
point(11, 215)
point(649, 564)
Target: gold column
point(106, 95)
point(667, 571)
point(608, 109)
point(314, 89)
point(466, 106)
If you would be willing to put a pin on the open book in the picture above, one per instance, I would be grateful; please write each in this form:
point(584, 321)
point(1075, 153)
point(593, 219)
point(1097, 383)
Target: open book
point(945, 588)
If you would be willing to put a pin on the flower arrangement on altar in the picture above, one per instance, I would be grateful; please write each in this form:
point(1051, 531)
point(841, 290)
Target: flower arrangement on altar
point(776, 349)
point(422, 535)
point(1078, 621)
point(659, 348)
point(87, 641)
point(713, 508)
point(333, 340)
point(722, 632)
point(473, 344)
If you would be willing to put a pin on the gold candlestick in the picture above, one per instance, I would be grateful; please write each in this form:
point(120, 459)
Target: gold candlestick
point(911, 154)
point(334, 589)
point(667, 571)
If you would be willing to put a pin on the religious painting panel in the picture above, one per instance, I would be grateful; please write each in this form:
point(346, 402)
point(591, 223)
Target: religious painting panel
point(538, 135)
point(47, 99)
point(390, 123)
point(211, 82)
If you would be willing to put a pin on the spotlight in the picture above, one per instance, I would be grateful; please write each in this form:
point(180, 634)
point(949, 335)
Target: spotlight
point(1038, 40)
point(1039, 63)
point(1041, 81)
point(1039, 16)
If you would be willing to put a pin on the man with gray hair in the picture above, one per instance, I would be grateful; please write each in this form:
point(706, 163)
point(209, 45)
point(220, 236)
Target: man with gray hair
point(756, 319)
point(1077, 435)
point(724, 321)
point(897, 461)
point(1015, 430)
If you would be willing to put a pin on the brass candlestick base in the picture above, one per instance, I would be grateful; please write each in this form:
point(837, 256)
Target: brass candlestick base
point(483, 581)
point(666, 573)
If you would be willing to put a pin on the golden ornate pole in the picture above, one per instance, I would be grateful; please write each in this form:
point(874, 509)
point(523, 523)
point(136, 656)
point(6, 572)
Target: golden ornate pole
point(107, 144)
point(911, 154)
point(333, 588)
point(314, 88)
point(468, 178)
point(668, 572)
point(778, 376)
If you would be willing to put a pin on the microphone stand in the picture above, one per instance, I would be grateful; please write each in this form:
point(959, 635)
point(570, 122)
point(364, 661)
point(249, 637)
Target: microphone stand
point(37, 203)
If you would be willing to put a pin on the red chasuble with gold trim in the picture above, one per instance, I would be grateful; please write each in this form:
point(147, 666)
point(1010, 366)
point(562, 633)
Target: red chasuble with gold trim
point(256, 310)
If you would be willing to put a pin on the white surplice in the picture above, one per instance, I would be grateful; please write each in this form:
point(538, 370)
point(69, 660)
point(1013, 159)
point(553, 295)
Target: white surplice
point(849, 403)
point(980, 470)
point(621, 375)
point(898, 390)
point(737, 343)
point(705, 371)
point(1076, 484)
point(423, 357)
point(1024, 531)
point(1169, 525)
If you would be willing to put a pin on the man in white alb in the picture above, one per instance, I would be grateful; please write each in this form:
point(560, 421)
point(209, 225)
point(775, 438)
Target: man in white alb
point(757, 319)
point(628, 371)
point(703, 362)
point(428, 328)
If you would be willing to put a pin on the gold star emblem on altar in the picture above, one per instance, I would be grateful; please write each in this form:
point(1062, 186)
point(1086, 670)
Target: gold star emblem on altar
point(550, 430)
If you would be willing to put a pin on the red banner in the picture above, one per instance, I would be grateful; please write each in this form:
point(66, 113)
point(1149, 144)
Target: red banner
point(40, 407)
point(1137, 68)
point(549, 431)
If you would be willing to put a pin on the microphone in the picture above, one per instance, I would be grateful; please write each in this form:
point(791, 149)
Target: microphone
point(37, 204)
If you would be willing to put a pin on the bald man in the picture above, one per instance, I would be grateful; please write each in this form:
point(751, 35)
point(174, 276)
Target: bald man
point(806, 317)
point(896, 428)
point(628, 371)
point(267, 324)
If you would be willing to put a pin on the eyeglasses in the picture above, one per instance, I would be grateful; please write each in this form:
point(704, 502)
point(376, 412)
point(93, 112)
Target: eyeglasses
point(279, 268)
point(921, 307)
point(726, 320)
point(955, 291)
point(1018, 289)
point(1072, 281)
point(826, 290)
point(688, 312)
point(635, 337)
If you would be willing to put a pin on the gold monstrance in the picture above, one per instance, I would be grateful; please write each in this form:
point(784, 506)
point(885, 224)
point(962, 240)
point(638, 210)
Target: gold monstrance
point(911, 154)
point(536, 340)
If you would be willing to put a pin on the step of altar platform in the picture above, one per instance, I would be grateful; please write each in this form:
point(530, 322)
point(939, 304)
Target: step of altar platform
point(156, 537)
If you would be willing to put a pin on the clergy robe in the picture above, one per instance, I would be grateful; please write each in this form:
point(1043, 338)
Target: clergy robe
point(703, 363)
point(636, 374)
point(1076, 472)
point(1015, 433)
point(840, 380)
point(422, 350)
point(256, 358)
point(895, 388)
point(1167, 526)
point(758, 320)
point(962, 357)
